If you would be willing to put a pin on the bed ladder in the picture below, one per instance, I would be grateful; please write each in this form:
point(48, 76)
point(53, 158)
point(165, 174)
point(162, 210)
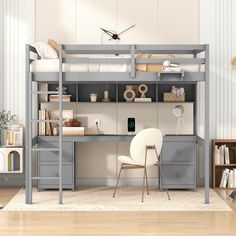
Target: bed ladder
point(30, 149)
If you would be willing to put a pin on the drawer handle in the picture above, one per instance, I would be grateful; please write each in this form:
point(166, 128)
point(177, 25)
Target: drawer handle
point(57, 175)
point(178, 152)
point(178, 175)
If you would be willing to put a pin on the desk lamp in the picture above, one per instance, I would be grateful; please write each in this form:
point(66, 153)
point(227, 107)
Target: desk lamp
point(178, 112)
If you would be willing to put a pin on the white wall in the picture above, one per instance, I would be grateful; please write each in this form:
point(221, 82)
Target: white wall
point(17, 21)
point(218, 28)
point(79, 21)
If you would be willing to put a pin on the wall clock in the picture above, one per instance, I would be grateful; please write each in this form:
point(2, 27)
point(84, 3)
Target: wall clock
point(111, 36)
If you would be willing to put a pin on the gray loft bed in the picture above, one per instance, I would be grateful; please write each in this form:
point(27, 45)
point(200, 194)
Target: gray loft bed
point(199, 56)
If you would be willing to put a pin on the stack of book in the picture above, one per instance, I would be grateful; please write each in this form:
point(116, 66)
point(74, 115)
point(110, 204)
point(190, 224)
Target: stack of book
point(228, 178)
point(44, 128)
point(222, 155)
point(55, 98)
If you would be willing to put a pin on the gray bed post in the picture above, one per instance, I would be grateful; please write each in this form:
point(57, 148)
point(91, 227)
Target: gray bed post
point(60, 126)
point(207, 143)
point(28, 82)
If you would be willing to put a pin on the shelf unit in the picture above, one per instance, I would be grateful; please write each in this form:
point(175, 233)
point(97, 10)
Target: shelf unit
point(217, 169)
point(158, 82)
point(81, 92)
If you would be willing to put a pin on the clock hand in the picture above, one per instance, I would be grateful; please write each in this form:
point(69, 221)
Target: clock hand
point(126, 30)
point(107, 32)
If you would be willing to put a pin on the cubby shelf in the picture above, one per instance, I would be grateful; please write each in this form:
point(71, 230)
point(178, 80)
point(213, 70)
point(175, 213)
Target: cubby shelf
point(81, 92)
point(216, 168)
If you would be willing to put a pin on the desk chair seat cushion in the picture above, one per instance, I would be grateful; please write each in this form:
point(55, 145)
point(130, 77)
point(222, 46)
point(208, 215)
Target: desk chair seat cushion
point(126, 160)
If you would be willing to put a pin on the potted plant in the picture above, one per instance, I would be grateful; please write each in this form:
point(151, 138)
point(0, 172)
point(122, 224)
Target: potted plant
point(5, 119)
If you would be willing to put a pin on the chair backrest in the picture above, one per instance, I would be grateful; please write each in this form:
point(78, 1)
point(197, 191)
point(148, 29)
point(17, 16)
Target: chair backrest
point(146, 137)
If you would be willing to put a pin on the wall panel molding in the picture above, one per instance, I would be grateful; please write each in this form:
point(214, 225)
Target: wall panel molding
point(217, 29)
point(17, 24)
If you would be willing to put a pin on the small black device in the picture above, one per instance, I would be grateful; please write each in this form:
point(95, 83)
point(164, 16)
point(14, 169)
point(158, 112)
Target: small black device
point(131, 124)
point(233, 195)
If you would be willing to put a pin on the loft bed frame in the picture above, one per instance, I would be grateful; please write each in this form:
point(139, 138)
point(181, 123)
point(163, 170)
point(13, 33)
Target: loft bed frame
point(196, 54)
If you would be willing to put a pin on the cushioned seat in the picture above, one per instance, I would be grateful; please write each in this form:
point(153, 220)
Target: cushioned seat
point(126, 160)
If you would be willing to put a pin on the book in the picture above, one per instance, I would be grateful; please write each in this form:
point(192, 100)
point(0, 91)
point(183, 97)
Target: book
point(224, 178)
point(43, 123)
point(222, 155)
point(55, 98)
point(227, 160)
point(43, 87)
point(217, 155)
point(48, 125)
point(234, 178)
point(142, 100)
point(73, 131)
point(40, 123)
point(230, 179)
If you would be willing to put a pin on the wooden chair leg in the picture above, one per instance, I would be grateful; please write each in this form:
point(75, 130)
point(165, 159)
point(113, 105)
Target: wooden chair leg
point(162, 176)
point(147, 181)
point(118, 180)
point(144, 174)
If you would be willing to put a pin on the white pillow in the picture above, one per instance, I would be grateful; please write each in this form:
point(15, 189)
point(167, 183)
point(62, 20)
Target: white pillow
point(45, 51)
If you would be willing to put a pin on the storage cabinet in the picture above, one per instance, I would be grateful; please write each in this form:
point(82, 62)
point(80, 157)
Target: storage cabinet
point(178, 160)
point(48, 166)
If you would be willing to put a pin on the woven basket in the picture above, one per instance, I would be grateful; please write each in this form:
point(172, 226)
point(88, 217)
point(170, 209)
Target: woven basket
point(170, 97)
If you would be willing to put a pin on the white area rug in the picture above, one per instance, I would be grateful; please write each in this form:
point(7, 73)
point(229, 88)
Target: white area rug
point(127, 199)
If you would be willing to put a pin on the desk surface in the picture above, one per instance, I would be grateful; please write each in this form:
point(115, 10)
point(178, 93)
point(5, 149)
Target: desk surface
point(113, 138)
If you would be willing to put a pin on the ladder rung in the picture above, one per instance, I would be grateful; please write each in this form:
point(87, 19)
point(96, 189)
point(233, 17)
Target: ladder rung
point(45, 92)
point(38, 121)
point(44, 178)
point(45, 149)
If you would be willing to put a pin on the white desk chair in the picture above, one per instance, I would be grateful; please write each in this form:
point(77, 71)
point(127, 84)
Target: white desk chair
point(145, 149)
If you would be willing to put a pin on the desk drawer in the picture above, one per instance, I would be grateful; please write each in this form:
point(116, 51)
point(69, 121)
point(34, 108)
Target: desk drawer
point(178, 152)
point(179, 175)
point(67, 153)
point(53, 171)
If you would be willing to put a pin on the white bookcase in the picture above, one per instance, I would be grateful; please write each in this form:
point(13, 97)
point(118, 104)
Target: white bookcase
point(11, 160)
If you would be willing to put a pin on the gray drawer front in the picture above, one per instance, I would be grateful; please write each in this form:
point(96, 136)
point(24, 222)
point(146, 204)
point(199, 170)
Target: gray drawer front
point(179, 175)
point(52, 171)
point(67, 153)
point(178, 152)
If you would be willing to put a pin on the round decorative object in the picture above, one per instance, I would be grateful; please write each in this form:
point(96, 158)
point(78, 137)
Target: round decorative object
point(142, 88)
point(129, 95)
point(178, 111)
point(166, 63)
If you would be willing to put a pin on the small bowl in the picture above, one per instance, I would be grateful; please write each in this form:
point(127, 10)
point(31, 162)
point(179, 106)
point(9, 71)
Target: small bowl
point(72, 123)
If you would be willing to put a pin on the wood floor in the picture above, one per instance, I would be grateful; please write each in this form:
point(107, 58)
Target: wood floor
point(116, 223)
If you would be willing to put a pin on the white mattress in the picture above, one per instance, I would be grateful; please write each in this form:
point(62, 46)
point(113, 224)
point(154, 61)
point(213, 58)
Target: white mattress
point(52, 65)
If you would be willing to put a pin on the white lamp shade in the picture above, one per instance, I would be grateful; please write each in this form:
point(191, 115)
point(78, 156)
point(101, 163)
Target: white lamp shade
point(178, 111)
